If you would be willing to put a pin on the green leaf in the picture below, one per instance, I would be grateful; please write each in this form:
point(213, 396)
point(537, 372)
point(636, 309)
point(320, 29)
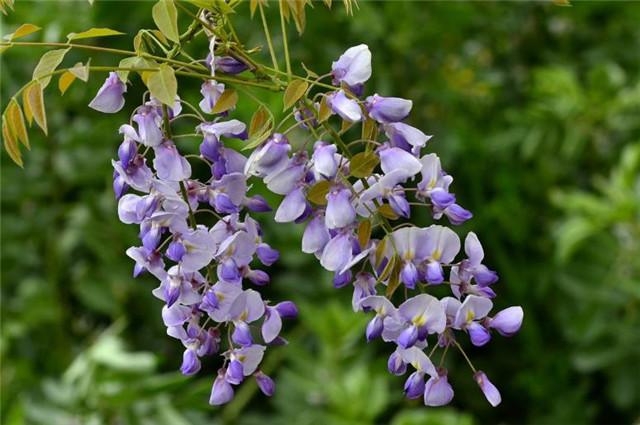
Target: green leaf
point(318, 193)
point(163, 85)
point(93, 32)
point(258, 120)
point(34, 105)
point(10, 143)
point(135, 62)
point(261, 136)
point(295, 91)
point(165, 15)
point(363, 163)
point(386, 211)
point(81, 71)
point(16, 122)
point(325, 111)
point(48, 63)
point(226, 101)
point(364, 232)
point(23, 30)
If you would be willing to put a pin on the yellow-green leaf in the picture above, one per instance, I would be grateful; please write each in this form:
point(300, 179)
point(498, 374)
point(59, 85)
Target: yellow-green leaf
point(261, 136)
point(362, 164)
point(23, 30)
point(369, 130)
point(48, 63)
point(163, 84)
point(65, 81)
point(16, 122)
point(135, 62)
point(318, 193)
point(93, 32)
point(364, 232)
point(27, 109)
point(165, 15)
point(325, 111)
point(310, 73)
point(10, 143)
point(388, 268)
point(226, 101)
point(35, 102)
point(81, 71)
point(258, 120)
point(386, 211)
point(380, 251)
point(394, 280)
point(295, 91)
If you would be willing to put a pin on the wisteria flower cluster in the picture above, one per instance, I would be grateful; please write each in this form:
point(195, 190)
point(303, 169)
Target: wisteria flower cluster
point(342, 197)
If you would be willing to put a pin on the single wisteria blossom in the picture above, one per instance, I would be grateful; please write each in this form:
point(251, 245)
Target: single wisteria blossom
point(406, 137)
point(246, 308)
point(149, 126)
point(353, 67)
point(423, 315)
point(273, 319)
point(508, 321)
point(110, 99)
point(348, 109)
point(316, 235)
point(340, 212)
point(229, 65)
point(471, 311)
point(169, 164)
point(338, 252)
point(488, 389)
point(392, 159)
point(387, 110)
point(222, 391)
point(293, 206)
point(383, 308)
point(445, 245)
point(265, 383)
point(438, 391)
point(388, 188)
point(363, 286)
point(412, 246)
point(324, 160)
point(269, 157)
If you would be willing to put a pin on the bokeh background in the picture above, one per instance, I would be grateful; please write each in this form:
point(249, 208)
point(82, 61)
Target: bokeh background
point(535, 110)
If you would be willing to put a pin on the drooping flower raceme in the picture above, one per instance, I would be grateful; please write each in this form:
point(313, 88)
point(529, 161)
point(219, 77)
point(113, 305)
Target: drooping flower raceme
point(347, 196)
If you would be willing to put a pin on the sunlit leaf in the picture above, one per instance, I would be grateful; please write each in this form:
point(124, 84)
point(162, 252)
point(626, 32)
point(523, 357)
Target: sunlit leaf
point(48, 64)
point(163, 84)
point(362, 164)
point(325, 111)
point(364, 232)
point(388, 268)
point(93, 32)
point(261, 135)
point(65, 81)
point(10, 143)
point(165, 15)
point(386, 211)
point(81, 71)
point(16, 122)
point(394, 280)
point(294, 92)
point(34, 100)
point(258, 120)
point(23, 30)
point(318, 193)
point(380, 251)
point(227, 100)
point(136, 62)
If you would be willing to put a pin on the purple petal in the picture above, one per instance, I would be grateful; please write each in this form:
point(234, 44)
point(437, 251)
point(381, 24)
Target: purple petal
point(293, 206)
point(221, 393)
point(348, 109)
point(387, 110)
point(110, 97)
point(353, 66)
point(190, 363)
point(508, 321)
point(414, 385)
point(265, 383)
point(438, 391)
point(490, 391)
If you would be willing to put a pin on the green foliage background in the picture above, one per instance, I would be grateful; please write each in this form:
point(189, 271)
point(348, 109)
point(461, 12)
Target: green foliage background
point(536, 113)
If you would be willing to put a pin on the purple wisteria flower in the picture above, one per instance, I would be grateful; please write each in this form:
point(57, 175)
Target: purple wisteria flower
point(209, 281)
point(110, 99)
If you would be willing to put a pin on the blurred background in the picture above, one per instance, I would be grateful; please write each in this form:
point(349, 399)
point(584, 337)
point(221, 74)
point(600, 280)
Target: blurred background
point(535, 110)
